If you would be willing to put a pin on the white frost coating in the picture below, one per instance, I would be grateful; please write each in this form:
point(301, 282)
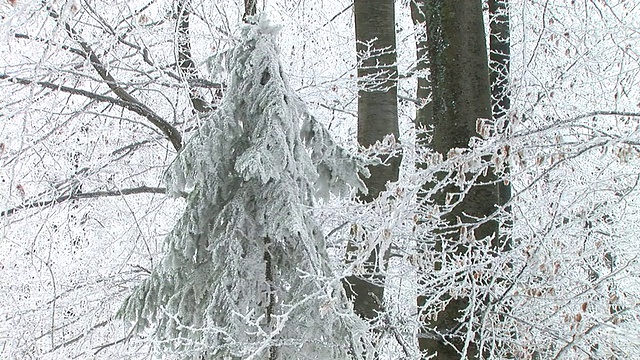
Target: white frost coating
point(245, 250)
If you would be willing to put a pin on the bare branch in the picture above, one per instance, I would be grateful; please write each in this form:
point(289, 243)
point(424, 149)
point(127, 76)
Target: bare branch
point(338, 14)
point(135, 106)
point(170, 132)
point(554, 125)
point(88, 195)
point(49, 42)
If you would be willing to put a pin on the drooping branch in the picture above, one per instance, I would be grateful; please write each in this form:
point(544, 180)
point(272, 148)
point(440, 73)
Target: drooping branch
point(87, 195)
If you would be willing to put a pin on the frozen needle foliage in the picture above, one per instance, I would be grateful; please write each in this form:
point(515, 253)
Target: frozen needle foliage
point(246, 272)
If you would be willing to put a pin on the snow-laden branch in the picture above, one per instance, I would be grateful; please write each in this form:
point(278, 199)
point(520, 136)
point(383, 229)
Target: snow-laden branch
point(130, 104)
point(87, 195)
point(555, 125)
point(135, 105)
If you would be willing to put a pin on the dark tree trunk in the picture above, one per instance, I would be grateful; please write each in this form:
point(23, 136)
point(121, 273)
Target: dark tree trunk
point(377, 118)
point(461, 95)
point(186, 66)
point(249, 9)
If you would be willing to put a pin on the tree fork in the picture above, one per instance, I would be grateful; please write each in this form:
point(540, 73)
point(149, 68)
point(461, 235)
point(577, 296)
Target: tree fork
point(172, 133)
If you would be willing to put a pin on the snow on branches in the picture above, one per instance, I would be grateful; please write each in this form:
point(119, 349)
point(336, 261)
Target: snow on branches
point(246, 272)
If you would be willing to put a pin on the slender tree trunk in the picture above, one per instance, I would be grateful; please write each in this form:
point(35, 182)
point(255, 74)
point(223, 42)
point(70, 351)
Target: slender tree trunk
point(499, 63)
point(271, 296)
point(186, 66)
point(499, 73)
point(499, 56)
point(377, 118)
point(249, 9)
point(424, 113)
point(461, 95)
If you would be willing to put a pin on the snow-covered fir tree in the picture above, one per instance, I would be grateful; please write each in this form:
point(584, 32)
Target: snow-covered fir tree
point(246, 272)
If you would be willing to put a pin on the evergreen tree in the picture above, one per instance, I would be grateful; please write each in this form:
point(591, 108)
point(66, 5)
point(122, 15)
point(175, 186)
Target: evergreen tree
point(246, 272)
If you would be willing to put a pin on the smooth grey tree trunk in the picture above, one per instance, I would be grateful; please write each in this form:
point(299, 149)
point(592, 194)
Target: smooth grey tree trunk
point(377, 118)
point(461, 94)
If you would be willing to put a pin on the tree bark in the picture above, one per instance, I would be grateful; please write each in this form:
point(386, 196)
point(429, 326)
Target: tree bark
point(186, 66)
point(377, 118)
point(461, 95)
point(249, 9)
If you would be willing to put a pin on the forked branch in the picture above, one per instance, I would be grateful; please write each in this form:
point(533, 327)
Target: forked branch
point(167, 129)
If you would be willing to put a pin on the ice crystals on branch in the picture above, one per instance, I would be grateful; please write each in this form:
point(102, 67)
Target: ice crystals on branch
point(246, 272)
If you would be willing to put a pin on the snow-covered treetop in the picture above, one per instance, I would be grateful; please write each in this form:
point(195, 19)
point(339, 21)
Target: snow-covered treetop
point(246, 266)
point(262, 108)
